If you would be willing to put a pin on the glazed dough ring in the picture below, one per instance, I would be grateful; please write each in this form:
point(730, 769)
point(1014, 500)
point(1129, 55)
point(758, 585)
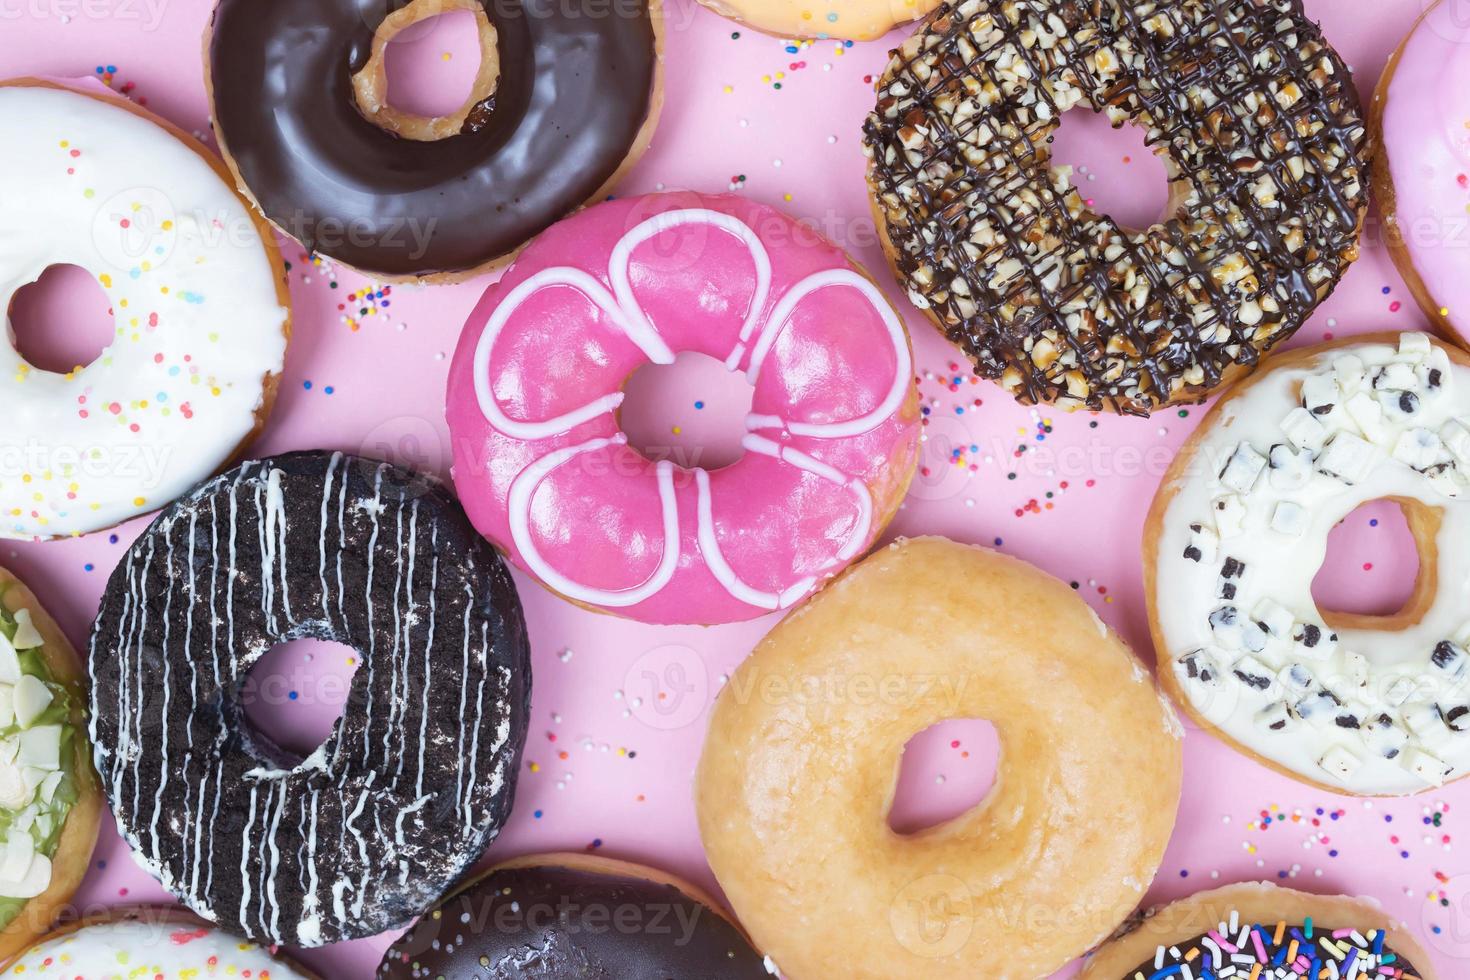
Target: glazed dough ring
point(800, 768)
point(1365, 705)
point(1136, 947)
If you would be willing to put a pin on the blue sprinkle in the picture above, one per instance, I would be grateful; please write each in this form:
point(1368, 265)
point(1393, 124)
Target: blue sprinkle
point(537, 814)
point(699, 405)
point(306, 385)
point(328, 389)
point(112, 539)
point(87, 567)
point(293, 695)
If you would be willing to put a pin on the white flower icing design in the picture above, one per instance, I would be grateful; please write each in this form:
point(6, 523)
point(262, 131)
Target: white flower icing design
point(623, 308)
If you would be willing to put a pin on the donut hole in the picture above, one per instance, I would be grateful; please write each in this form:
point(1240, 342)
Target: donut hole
point(691, 412)
point(946, 770)
point(1114, 170)
point(295, 694)
point(1373, 567)
point(427, 36)
point(431, 64)
point(63, 321)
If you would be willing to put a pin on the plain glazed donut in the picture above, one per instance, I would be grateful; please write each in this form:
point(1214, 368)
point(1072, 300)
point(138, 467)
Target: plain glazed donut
point(1261, 931)
point(1262, 133)
point(859, 20)
point(584, 916)
point(801, 763)
point(418, 775)
point(198, 297)
point(1358, 704)
point(1419, 177)
point(543, 466)
point(42, 687)
point(147, 942)
point(565, 102)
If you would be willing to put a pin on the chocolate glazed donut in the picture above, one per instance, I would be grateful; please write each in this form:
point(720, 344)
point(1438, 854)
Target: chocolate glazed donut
point(568, 94)
point(416, 778)
point(574, 917)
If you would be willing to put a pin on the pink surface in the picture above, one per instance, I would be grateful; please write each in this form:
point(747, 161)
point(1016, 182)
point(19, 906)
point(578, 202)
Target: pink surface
point(535, 398)
point(618, 707)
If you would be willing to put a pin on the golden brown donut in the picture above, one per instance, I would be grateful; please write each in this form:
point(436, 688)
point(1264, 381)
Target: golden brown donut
point(1136, 945)
point(164, 937)
point(858, 20)
point(801, 764)
point(73, 855)
point(1354, 700)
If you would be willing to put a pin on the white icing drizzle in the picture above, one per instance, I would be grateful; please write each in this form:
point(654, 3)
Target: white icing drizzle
point(1290, 457)
point(411, 811)
point(199, 322)
point(622, 307)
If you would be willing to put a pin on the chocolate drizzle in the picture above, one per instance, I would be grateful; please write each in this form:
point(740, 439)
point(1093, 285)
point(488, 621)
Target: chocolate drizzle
point(577, 81)
point(416, 778)
point(564, 923)
point(1263, 135)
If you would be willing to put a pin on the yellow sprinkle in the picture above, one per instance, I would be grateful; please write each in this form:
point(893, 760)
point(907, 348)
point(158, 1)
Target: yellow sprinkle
point(139, 501)
point(106, 280)
point(729, 89)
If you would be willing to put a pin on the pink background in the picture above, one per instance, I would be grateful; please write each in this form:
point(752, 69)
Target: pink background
point(609, 762)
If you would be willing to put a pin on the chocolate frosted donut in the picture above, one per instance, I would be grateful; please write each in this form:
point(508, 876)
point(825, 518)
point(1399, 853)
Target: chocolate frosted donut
point(574, 917)
point(416, 778)
point(1263, 136)
point(567, 95)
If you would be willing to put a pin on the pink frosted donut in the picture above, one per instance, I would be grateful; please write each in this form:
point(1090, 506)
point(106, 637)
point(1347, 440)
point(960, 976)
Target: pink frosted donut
point(545, 471)
point(1422, 176)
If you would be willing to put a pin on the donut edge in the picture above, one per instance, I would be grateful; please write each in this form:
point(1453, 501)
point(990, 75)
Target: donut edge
point(1385, 197)
point(592, 864)
point(154, 915)
point(73, 857)
point(270, 384)
point(777, 27)
point(1136, 941)
point(1235, 373)
point(450, 277)
point(1175, 479)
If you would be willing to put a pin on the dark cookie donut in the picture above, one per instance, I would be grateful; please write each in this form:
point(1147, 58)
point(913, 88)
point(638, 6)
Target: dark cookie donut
point(1262, 133)
point(574, 917)
point(416, 778)
point(568, 93)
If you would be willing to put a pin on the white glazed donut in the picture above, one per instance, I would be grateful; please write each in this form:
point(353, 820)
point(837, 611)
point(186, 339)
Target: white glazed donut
point(1362, 704)
point(198, 299)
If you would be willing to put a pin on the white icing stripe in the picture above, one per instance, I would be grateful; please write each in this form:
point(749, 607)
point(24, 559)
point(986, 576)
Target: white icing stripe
point(622, 257)
point(781, 316)
point(407, 816)
point(623, 308)
point(519, 507)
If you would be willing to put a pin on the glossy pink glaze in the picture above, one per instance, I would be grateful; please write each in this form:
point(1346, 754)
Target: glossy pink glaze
point(598, 520)
point(1426, 135)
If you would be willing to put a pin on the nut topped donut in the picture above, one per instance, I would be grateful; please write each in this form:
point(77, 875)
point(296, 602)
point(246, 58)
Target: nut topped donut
point(1361, 704)
point(565, 100)
point(1262, 133)
point(416, 778)
point(543, 465)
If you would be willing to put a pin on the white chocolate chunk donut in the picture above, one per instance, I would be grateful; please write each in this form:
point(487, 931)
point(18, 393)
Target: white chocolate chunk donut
point(198, 302)
point(1363, 704)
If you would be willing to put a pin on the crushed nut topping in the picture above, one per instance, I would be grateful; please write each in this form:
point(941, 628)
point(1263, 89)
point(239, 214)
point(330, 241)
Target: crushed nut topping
point(1263, 137)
